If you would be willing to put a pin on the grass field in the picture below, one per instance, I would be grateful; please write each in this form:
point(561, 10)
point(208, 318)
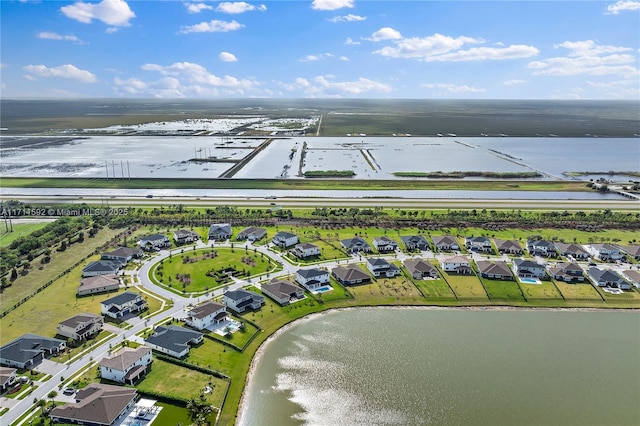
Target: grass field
point(172, 380)
point(583, 291)
point(388, 291)
point(240, 337)
point(435, 289)
point(546, 290)
point(334, 184)
point(19, 230)
point(631, 296)
point(466, 286)
point(502, 289)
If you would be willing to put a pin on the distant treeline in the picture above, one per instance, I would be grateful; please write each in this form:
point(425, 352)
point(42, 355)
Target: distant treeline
point(329, 173)
point(460, 175)
point(610, 172)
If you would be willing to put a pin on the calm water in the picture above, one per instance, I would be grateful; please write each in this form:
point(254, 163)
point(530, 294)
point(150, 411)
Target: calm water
point(453, 367)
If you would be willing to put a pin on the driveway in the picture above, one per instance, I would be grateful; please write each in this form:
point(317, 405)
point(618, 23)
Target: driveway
point(50, 367)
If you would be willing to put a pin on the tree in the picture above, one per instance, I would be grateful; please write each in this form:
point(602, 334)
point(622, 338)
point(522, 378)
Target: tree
point(51, 395)
point(14, 274)
point(199, 411)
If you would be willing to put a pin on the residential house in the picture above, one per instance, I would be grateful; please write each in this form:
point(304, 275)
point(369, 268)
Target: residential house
point(542, 248)
point(633, 277)
point(350, 274)
point(420, 269)
point(282, 292)
point(241, 300)
point(497, 270)
point(526, 268)
point(568, 272)
point(252, 234)
point(96, 404)
point(154, 242)
point(29, 350)
point(173, 340)
point(574, 250)
point(356, 245)
point(7, 378)
point(122, 254)
point(445, 242)
point(81, 327)
point(98, 284)
point(385, 244)
point(123, 304)
point(632, 250)
point(184, 236)
point(127, 365)
point(607, 278)
point(101, 267)
point(304, 250)
point(381, 268)
point(478, 244)
point(458, 264)
point(413, 242)
point(312, 279)
point(285, 239)
point(220, 232)
point(207, 314)
point(605, 252)
point(508, 246)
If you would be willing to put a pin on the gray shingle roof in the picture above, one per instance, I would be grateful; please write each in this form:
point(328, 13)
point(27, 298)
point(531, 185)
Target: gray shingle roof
point(120, 299)
point(28, 346)
point(99, 404)
point(172, 337)
point(310, 273)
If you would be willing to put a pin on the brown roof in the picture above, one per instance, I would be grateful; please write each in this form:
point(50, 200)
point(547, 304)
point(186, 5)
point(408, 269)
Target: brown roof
point(125, 358)
point(456, 259)
point(98, 282)
point(99, 404)
point(281, 288)
point(493, 268)
point(350, 273)
point(507, 244)
point(633, 250)
point(418, 265)
point(632, 275)
point(444, 239)
point(205, 309)
point(6, 373)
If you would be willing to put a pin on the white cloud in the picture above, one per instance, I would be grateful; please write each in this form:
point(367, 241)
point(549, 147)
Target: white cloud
point(67, 71)
point(348, 18)
point(194, 75)
point(214, 26)
point(238, 7)
point(197, 7)
point(442, 48)
point(623, 5)
point(514, 82)
point(350, 42)
point(331, 4)
point(111, 12)
point(111, 30)
point(324, 86)
point(313, 58)
point(385, 33)
point(344, 58)
point(586, 57)
point(227, 57)
point(48, 35)
point(452, 88)
point(132, 86)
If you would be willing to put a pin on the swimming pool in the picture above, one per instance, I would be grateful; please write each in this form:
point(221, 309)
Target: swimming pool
point(530, 281)
point(323, 289)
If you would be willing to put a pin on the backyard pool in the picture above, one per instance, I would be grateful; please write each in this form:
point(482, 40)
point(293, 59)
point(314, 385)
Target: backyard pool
point(323, 289)
point(530, 281)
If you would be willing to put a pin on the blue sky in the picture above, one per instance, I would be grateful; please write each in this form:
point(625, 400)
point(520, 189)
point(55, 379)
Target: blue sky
point(321, 48)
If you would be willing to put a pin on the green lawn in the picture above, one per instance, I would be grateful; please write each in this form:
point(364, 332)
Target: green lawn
point(196, 265)
point(632, 296)
point(502, 289)
point(546, 290)
point(240, 337)
point(19, 230)
point(173, 380)
point(338, 293)
point(582, 291)
point(435, 289)
point(466, 286)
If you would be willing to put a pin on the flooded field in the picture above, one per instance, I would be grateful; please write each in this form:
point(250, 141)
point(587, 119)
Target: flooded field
point(290, 157)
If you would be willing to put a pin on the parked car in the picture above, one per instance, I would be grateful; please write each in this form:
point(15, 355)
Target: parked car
point(68, 391)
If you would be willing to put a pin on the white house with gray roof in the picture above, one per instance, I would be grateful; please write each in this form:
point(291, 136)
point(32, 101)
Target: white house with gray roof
point(541, 248)
point(478, 244)
point(574, 250)
point(29, 350)
point(458, 264)
point(173, 340)
point(568, 272)
point(607, 278)
point(252, 234)
point(385, 244)
point(605, 252)
point(206, 315)
point(380, 267)
point(123, 304)
point(445, 242)
point(413, 242)
point(220, 231)
point(313, 278)
point(154, 242)
point(356, 245)
point(241, 300)
point(185, 236)
point(81, 327)
point(285, 239)
point(526, 268)
point(122, 254)
point(101, 267)
point(304, 250)
point(127, 365)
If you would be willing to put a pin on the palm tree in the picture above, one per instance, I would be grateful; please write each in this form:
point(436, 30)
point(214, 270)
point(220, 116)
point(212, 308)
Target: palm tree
point(199, 411)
